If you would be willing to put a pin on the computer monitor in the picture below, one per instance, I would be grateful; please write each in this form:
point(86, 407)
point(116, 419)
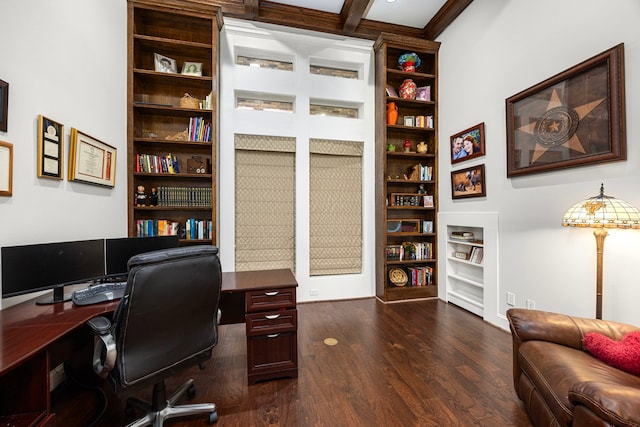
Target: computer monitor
point(31, 268)
point(118, 252)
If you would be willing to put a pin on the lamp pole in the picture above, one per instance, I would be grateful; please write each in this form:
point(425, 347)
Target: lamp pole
point(600, 234)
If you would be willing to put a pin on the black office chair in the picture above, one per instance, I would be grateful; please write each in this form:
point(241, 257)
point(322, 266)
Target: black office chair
point(166, 321)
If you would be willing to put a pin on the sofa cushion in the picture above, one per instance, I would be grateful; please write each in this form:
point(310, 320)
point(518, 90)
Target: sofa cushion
point(554, 368)
point(623, 354)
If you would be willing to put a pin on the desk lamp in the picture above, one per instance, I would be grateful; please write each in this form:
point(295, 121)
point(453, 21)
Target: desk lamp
point(601, 212)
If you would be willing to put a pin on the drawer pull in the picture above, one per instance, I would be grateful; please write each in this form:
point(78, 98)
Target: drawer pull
point(271, 294)
point(273, 336)
point(271, 316)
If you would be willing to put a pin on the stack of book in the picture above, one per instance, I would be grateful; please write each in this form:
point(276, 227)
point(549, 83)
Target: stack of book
point(465, 236)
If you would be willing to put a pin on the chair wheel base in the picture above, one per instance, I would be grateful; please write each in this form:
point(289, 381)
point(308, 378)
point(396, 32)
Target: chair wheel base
point(213, 417)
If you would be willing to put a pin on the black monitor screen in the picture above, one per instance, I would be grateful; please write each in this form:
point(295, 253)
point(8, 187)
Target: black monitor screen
point(32, 268)
point(118, 251)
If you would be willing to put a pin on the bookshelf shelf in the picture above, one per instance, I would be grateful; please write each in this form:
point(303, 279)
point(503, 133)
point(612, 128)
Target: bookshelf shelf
point(398, 192)
point(465, 285)
point(184, 31)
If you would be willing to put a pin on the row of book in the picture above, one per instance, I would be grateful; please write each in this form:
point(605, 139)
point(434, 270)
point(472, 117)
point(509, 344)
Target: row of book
point(419, 276)
point(151, 163)
point(419, 121)
point(407, 199)
point(192, 229)
point(199, 130)
point(417, 251)
point(206, 103)
point(185, 196)
point(426, 172)
point(476, 255)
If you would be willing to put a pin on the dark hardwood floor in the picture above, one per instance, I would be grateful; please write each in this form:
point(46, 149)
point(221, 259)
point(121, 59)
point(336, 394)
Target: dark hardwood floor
point(420, 363)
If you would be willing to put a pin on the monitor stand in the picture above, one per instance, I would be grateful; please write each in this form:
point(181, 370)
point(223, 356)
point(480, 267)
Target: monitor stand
point(58, 296)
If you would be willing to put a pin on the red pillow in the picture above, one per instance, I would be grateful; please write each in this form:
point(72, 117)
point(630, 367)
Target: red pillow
point(624, 354)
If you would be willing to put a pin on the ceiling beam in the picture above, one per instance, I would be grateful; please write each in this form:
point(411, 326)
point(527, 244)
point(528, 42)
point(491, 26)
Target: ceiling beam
point(444, 17)
point(352, 14)
point(252, 9)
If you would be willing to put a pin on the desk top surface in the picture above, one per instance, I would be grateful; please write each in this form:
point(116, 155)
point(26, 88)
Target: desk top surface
point(27, 328)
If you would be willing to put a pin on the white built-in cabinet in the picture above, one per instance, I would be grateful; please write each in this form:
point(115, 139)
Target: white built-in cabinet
point(470, 283)
point(465, 268)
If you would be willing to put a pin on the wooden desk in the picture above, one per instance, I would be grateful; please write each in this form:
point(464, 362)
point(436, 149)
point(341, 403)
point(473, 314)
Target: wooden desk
point(30, 337)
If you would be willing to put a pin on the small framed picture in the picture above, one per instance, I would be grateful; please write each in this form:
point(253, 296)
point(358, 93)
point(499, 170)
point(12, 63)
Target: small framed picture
point(164, 64)
point(6, 169)
point(468, 182)
point(468, 144)
point(4, 105)
point(409, 121)
point(50, 148)
point(192, 68)
point(91, 161)
point(391, 92)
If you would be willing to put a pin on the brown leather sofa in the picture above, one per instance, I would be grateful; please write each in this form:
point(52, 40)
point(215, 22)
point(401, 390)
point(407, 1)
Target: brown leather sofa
point(559, 382)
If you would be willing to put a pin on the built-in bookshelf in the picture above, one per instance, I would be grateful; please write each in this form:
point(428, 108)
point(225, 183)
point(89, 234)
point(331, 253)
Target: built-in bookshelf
point(465, 268)
point(171, 135)
point(406, 171)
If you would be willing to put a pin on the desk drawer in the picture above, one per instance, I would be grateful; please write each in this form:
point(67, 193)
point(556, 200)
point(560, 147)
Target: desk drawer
point(270, 299)
point(272, 356)
point(271, 322)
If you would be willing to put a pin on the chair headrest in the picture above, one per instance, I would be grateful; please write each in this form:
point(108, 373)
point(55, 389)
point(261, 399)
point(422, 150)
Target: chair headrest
point(172, 255)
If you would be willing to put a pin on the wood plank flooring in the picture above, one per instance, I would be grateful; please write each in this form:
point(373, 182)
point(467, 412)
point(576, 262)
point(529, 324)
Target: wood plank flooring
point(419, 363)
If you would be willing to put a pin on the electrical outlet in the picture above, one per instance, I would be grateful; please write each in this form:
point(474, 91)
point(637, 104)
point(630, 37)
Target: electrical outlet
point(314, 292)
point(511, 298)
point(531, 304)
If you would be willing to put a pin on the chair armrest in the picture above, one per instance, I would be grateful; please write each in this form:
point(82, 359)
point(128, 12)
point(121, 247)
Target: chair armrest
point(104, 346)
point(615, 403)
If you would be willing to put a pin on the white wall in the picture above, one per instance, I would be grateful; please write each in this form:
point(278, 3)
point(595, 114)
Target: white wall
point(66, 60)
point(494, 50)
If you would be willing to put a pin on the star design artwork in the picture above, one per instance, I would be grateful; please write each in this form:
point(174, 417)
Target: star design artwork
point(558, 125)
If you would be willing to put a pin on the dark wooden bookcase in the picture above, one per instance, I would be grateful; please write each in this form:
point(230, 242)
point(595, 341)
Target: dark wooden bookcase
point(394, 168)
point(186, 32)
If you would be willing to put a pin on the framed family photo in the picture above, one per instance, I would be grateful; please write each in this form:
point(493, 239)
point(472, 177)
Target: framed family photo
point(468, 182)
point(468, 144)
point(164, 64)
point(574, 118)
point(91, 161)
point(192, 68)
point(50, 148)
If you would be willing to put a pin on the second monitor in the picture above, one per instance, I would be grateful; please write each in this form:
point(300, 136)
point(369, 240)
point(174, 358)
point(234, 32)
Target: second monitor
point(118, 251)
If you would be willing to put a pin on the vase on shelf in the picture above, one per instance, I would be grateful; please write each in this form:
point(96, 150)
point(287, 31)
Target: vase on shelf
point(408, 89)
point(392, 113)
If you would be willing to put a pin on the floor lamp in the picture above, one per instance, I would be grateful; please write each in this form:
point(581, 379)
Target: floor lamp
point(601, 212)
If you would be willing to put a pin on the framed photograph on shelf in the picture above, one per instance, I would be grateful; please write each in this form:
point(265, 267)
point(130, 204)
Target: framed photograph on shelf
point(6, 169)
point(468, 144)
point(574, 118)
point(391, 92)
point(4, 105)
point(409, 120)
point(468, 182)
point(192, 68)
point(164, 64)
point(50, 148)
point(91, 161)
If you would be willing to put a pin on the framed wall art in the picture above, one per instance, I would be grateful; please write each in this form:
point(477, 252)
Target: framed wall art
point(50, 148)
point(468, 182)
point(6, 169)
point(91, 161)
point(468, 144)
point(574, 118)
point(4, 105)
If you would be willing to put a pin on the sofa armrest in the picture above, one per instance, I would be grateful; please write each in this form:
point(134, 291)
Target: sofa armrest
point(559, 328)
point(615, 403)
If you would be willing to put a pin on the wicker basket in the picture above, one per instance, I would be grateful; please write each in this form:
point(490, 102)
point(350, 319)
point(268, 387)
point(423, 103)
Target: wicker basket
point(188, 101)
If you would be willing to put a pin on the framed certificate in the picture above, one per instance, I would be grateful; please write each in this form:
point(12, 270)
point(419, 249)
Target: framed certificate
point(50, 148)
point(6, 168)
point(91, 161)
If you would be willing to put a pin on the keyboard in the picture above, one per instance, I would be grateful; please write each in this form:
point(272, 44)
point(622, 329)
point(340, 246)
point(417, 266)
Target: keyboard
point(98, 293)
